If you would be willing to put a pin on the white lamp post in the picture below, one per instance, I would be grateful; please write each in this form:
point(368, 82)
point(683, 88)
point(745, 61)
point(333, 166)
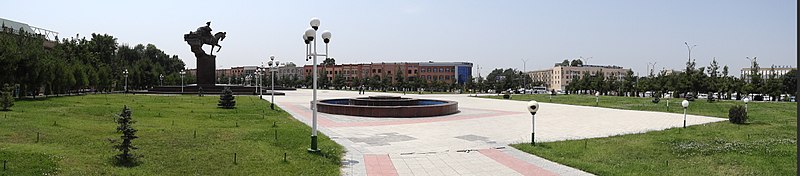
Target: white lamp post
point(311, 53)
point(533, 106)
point(273, 65)
point(260, 73)
point(746, 100)
point(126, 79)
point(183, 73)
point(685, 105)
point(161, 79)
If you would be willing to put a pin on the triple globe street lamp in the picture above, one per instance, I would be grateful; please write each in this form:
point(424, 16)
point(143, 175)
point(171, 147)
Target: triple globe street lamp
point(126, 79)
point(311, 53)
point(273, 67)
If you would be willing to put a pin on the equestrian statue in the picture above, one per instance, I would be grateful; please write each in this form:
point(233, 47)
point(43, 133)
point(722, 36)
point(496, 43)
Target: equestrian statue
point(202, 36)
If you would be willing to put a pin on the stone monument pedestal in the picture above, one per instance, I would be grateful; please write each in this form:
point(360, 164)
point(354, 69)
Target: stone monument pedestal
point(206, 69)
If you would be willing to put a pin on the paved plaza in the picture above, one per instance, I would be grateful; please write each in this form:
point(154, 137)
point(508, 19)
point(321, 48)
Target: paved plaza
point(471, 142)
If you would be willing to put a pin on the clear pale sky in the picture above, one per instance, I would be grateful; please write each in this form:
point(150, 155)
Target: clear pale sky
point(492, 34)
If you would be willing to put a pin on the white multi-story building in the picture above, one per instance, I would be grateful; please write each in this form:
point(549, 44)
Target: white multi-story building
point(766, 72)
point(558, 77)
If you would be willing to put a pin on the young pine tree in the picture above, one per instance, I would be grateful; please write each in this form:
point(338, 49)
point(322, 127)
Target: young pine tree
point(226, 99)
point(126, 158)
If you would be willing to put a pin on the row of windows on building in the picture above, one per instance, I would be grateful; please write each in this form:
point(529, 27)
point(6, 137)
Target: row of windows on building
point(428, 77)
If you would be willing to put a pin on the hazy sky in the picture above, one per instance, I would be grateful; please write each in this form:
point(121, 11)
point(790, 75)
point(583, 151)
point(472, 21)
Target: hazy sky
point(492, 34)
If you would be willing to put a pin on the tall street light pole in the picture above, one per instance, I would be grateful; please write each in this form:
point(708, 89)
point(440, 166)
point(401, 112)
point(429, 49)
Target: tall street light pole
point(688, 47)
point(651, 68)
point(585, 60)
point(161, 79)
point(524, 81)
point(261, 82)
point(752, 65)
point(273, 65)
point(311, 53)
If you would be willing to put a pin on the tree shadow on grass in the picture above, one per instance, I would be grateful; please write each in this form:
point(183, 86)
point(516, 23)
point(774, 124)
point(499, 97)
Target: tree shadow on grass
point(120, 162)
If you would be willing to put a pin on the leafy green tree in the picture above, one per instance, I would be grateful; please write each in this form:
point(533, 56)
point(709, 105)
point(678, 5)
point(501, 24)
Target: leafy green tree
point(6, 99)
point(628, 82)
point(755, 78)
point(773, 85)
point(338, 81)
point(399, 79)
point(790, 82)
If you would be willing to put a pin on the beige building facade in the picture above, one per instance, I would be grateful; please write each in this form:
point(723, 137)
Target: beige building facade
point(558, 77)
point(766, 72)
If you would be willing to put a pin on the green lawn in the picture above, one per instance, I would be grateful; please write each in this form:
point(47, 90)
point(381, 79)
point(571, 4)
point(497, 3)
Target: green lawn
point(74, 133)
point(765, 146)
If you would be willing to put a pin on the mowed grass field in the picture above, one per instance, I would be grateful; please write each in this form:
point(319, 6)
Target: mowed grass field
point(178, 135)
point(764, 146)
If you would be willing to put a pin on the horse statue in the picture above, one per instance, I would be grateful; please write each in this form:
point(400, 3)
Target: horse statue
point(214, 41)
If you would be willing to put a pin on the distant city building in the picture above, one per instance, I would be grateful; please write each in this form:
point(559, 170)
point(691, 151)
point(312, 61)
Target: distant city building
point(240, 72)
point(288, 71)
point(448, 72)
point(558, 77)
point(765, 72)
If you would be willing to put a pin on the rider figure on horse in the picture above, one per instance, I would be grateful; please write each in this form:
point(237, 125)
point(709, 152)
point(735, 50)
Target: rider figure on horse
point(205, 32)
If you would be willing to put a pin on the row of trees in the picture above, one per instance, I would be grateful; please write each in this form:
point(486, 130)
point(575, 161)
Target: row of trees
point(691, 81)
point(499, 79)
point(77, 64)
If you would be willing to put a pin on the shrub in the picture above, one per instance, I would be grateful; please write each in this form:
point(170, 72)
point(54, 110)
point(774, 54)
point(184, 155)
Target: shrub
point(656, 100)
point(737, 114)
point(125, 122)
point(226, 99)
point(6, 99)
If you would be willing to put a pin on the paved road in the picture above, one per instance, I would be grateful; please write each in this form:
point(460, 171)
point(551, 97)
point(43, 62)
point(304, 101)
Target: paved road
point(471, 142)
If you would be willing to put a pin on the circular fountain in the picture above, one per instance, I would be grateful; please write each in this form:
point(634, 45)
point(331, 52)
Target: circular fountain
point(387, 106)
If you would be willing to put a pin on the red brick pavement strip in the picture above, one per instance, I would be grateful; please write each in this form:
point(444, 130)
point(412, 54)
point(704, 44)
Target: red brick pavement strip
point(518, 165)
point(379, 164)
point(323, 121)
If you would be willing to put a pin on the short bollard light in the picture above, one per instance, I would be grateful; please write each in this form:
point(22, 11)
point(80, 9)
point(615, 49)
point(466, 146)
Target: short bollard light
point(533, 106)
point(597, 99)
point(745, 99)
point(685, 105)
